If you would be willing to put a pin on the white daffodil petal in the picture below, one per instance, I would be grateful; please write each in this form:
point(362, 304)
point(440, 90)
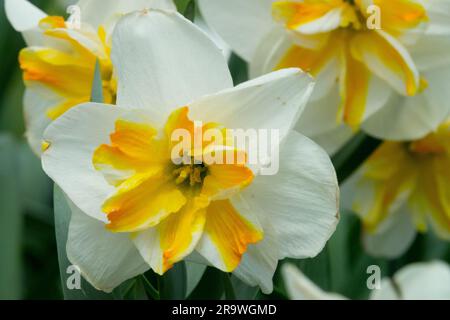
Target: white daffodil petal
point(303, 209)
point(72, 140)
point(172, 239)
point(269, 52)
point(23, 15)
point(387, 58)
point(332, 141)
point(259, 263)
point(273, 49)
point(320, 116)
point(88, 38)
point(393, 237)
point(37, 100)
point(201, 23)
point(254, 22)
point(148, 244)
point(105, 259)
point(230, 230)
point(273, 101)
point(419, 281)
point(96, 13)
point(438, 16)
point(328, 22)
point(319, 123)
point(164, 62)
point(427, 52)
point(299, 287)
point(407, 118)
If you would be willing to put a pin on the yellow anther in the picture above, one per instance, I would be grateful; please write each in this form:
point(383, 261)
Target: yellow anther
point(45, 145)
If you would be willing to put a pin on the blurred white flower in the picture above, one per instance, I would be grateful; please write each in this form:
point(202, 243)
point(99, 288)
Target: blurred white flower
point(58, 64)
point(391, 81)
point(418, 281)
point(137, 209)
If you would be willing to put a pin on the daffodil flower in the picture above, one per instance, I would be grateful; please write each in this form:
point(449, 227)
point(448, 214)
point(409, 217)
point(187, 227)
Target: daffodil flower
point(379, 64)
point(401, 189)
point(134, 207)
point(417, 281)
point(58, 64)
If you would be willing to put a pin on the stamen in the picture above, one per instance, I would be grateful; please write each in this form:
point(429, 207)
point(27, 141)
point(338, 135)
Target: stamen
point(196, 174)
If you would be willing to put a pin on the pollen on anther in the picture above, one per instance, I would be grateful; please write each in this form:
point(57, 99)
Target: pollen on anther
point(45, 145)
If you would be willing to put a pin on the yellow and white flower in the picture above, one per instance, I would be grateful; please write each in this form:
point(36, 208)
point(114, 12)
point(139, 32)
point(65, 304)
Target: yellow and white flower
point(391, 80)
point(417, 281)
point(403, 188)
point(58, 64)
point(137, 209)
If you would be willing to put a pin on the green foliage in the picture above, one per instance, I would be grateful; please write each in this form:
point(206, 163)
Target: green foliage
point(97, 85)
point(62, 219)
point(353, 154)
point(11, 222)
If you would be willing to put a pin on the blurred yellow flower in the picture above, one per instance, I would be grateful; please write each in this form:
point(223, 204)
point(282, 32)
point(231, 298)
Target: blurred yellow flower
point(58, 64)
point(402, 187)
point(379, 64)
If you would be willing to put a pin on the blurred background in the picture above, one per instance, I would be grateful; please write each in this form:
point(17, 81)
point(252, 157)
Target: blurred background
point(28, 255)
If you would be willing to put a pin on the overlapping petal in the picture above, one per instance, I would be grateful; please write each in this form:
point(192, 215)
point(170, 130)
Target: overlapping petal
point(254, 18)
point(106, 259)
point(154, 77)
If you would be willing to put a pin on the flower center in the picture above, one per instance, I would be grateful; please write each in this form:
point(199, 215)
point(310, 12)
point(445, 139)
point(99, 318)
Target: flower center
point(311, 16)
point(190, 175)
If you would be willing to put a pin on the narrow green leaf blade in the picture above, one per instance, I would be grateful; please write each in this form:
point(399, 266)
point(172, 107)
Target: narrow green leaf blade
point(190, 11)
point(195, 273)
point(97, 85)
point(210, 287)
point(353, 154)
point(244, 291)
point(182, 5)
point(238, 69)
point(228, 286)
point(62, 220)
point(11, 222)
point(173, 283)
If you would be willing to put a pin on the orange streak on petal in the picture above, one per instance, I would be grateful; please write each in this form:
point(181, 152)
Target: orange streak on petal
point(180, 232)
point(230, 232)
point(355, 80)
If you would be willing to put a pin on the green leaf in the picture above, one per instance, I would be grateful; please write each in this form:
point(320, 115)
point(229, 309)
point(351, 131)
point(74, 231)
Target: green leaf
point(173, 283)
point(62, 220)
point(97, 85)
point(150, 289)
point(137, 290)
point(317, 269)
point(182, 5)
point(210, 287)
point(353, 154)
point(228, 286)
point(244, 291)
point(195, 273)
point(35, 187)
point(238, 69)
point(11, 111)
point(348, 261)
point(11, 222)
point(190, 11)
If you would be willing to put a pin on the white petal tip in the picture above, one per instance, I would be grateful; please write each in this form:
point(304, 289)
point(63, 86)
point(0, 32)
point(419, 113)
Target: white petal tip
point(23, 15)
